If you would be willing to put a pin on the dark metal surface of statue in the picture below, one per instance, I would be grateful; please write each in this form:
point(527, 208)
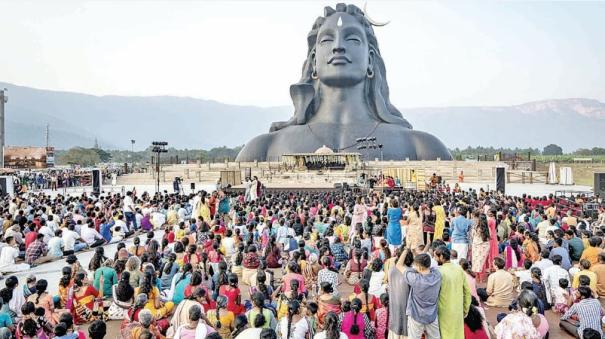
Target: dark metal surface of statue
point(342, 96)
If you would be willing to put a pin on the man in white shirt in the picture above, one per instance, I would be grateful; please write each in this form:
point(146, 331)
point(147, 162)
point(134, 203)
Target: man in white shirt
point(129, 210)
point(552, 275)
point(91, 236)
point(121, 224)
point(542, 227)
point(51, 223)
point(46, 231)
point(55, 245)
point(70, 246)
point(544, 262)
point(7, 258)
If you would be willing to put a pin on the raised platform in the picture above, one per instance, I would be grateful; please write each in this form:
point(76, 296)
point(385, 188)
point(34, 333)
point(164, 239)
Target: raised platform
point(278, 173)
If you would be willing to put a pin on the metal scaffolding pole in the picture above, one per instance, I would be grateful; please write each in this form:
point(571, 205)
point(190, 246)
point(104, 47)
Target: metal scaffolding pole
point(3, 100)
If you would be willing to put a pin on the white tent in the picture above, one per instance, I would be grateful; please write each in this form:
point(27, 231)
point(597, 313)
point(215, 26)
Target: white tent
point(565, 176)
point(552, 174)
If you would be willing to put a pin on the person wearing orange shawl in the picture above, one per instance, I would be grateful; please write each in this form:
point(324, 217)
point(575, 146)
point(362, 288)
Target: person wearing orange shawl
point(327, 302)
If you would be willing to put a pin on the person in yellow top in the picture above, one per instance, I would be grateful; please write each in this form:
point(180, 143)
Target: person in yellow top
point(222, 319)
point(570, 219)
point(585, 265)
point(172, 217)
point(461, 177)
point(592, 252)
point(439, 220)
point(158, 308)
point(551, 211)
point(180, 233)
point(342, 230)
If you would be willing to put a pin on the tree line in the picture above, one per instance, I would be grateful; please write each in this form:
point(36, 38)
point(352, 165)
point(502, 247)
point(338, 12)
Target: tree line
point(551, 149)
point(91, 156)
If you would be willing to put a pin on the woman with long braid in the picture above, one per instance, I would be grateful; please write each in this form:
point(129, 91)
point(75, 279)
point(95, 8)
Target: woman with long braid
point(221, 318)
point(159, 308)
point(382, 318)
point(179, 283)
point(331, 328)
point(355, 267)
point(259, 316)
point(285, 297)
point(354, 323)
point(369, 301)
point(43, 299)
point(295, 325)
point(168, 271)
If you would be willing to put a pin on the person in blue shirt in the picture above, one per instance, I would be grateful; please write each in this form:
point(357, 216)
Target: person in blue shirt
point(105, 229)
point(558, 249)
point(182, 281)
point(6, 321)
point(393, 233)
point(460, 229)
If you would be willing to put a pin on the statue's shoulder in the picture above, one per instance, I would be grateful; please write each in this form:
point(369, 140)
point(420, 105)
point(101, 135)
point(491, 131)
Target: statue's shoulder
point(256, 149)
point(428, 146)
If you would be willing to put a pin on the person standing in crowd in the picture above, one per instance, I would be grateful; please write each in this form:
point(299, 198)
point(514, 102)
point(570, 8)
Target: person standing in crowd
point(206, 250)
point(129, 211)
point(425, 283)
point(394, 216)
point(439, 219)
point(454, 296)
point(460, 227)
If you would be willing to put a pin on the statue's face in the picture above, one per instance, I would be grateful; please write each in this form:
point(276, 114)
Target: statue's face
point(341, 51)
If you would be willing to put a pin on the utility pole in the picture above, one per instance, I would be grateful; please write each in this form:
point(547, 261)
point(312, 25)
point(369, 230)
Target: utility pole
point(158, 147)
point(3, 100)
point(47, 135)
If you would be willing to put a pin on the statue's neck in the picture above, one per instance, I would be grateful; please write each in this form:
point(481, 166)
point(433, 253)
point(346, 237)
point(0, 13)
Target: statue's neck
point(342, 105)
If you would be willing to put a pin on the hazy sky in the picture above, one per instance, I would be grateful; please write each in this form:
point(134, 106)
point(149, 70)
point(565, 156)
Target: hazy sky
point(436, 53)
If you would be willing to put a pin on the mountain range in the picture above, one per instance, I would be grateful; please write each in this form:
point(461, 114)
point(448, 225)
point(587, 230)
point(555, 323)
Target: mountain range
point(77, 119)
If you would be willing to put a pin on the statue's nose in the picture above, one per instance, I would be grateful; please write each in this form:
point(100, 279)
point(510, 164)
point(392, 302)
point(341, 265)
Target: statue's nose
point(338, 49)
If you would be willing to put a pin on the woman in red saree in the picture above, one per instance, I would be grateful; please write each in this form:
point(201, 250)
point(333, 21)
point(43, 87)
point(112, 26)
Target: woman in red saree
point(84, 298)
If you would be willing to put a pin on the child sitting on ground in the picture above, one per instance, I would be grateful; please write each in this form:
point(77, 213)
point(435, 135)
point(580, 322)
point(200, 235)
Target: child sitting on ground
point(561, 297)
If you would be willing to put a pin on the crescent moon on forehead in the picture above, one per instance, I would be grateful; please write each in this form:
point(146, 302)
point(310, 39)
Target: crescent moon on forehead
point(370, 20)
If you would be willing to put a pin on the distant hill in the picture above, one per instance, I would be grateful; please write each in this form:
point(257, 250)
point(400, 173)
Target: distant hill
point(77, 119)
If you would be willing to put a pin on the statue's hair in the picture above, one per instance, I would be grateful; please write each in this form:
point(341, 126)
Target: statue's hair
point(305, 93)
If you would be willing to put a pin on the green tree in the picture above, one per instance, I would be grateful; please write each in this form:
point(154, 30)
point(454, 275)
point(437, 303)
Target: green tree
point(103, 155)
point(552, 149)
point(598, 151)
point(80, 156)
point(583, 152)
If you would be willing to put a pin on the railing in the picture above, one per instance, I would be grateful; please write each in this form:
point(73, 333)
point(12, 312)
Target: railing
point(525, 177)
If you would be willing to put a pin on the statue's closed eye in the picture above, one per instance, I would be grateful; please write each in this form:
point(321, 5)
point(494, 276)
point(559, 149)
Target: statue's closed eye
point(354, 38)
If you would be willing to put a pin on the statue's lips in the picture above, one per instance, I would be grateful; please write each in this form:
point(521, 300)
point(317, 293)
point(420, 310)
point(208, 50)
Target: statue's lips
point(339, 60)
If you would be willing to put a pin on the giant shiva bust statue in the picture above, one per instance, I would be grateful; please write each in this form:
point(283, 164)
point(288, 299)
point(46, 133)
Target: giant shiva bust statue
point(342, 96)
